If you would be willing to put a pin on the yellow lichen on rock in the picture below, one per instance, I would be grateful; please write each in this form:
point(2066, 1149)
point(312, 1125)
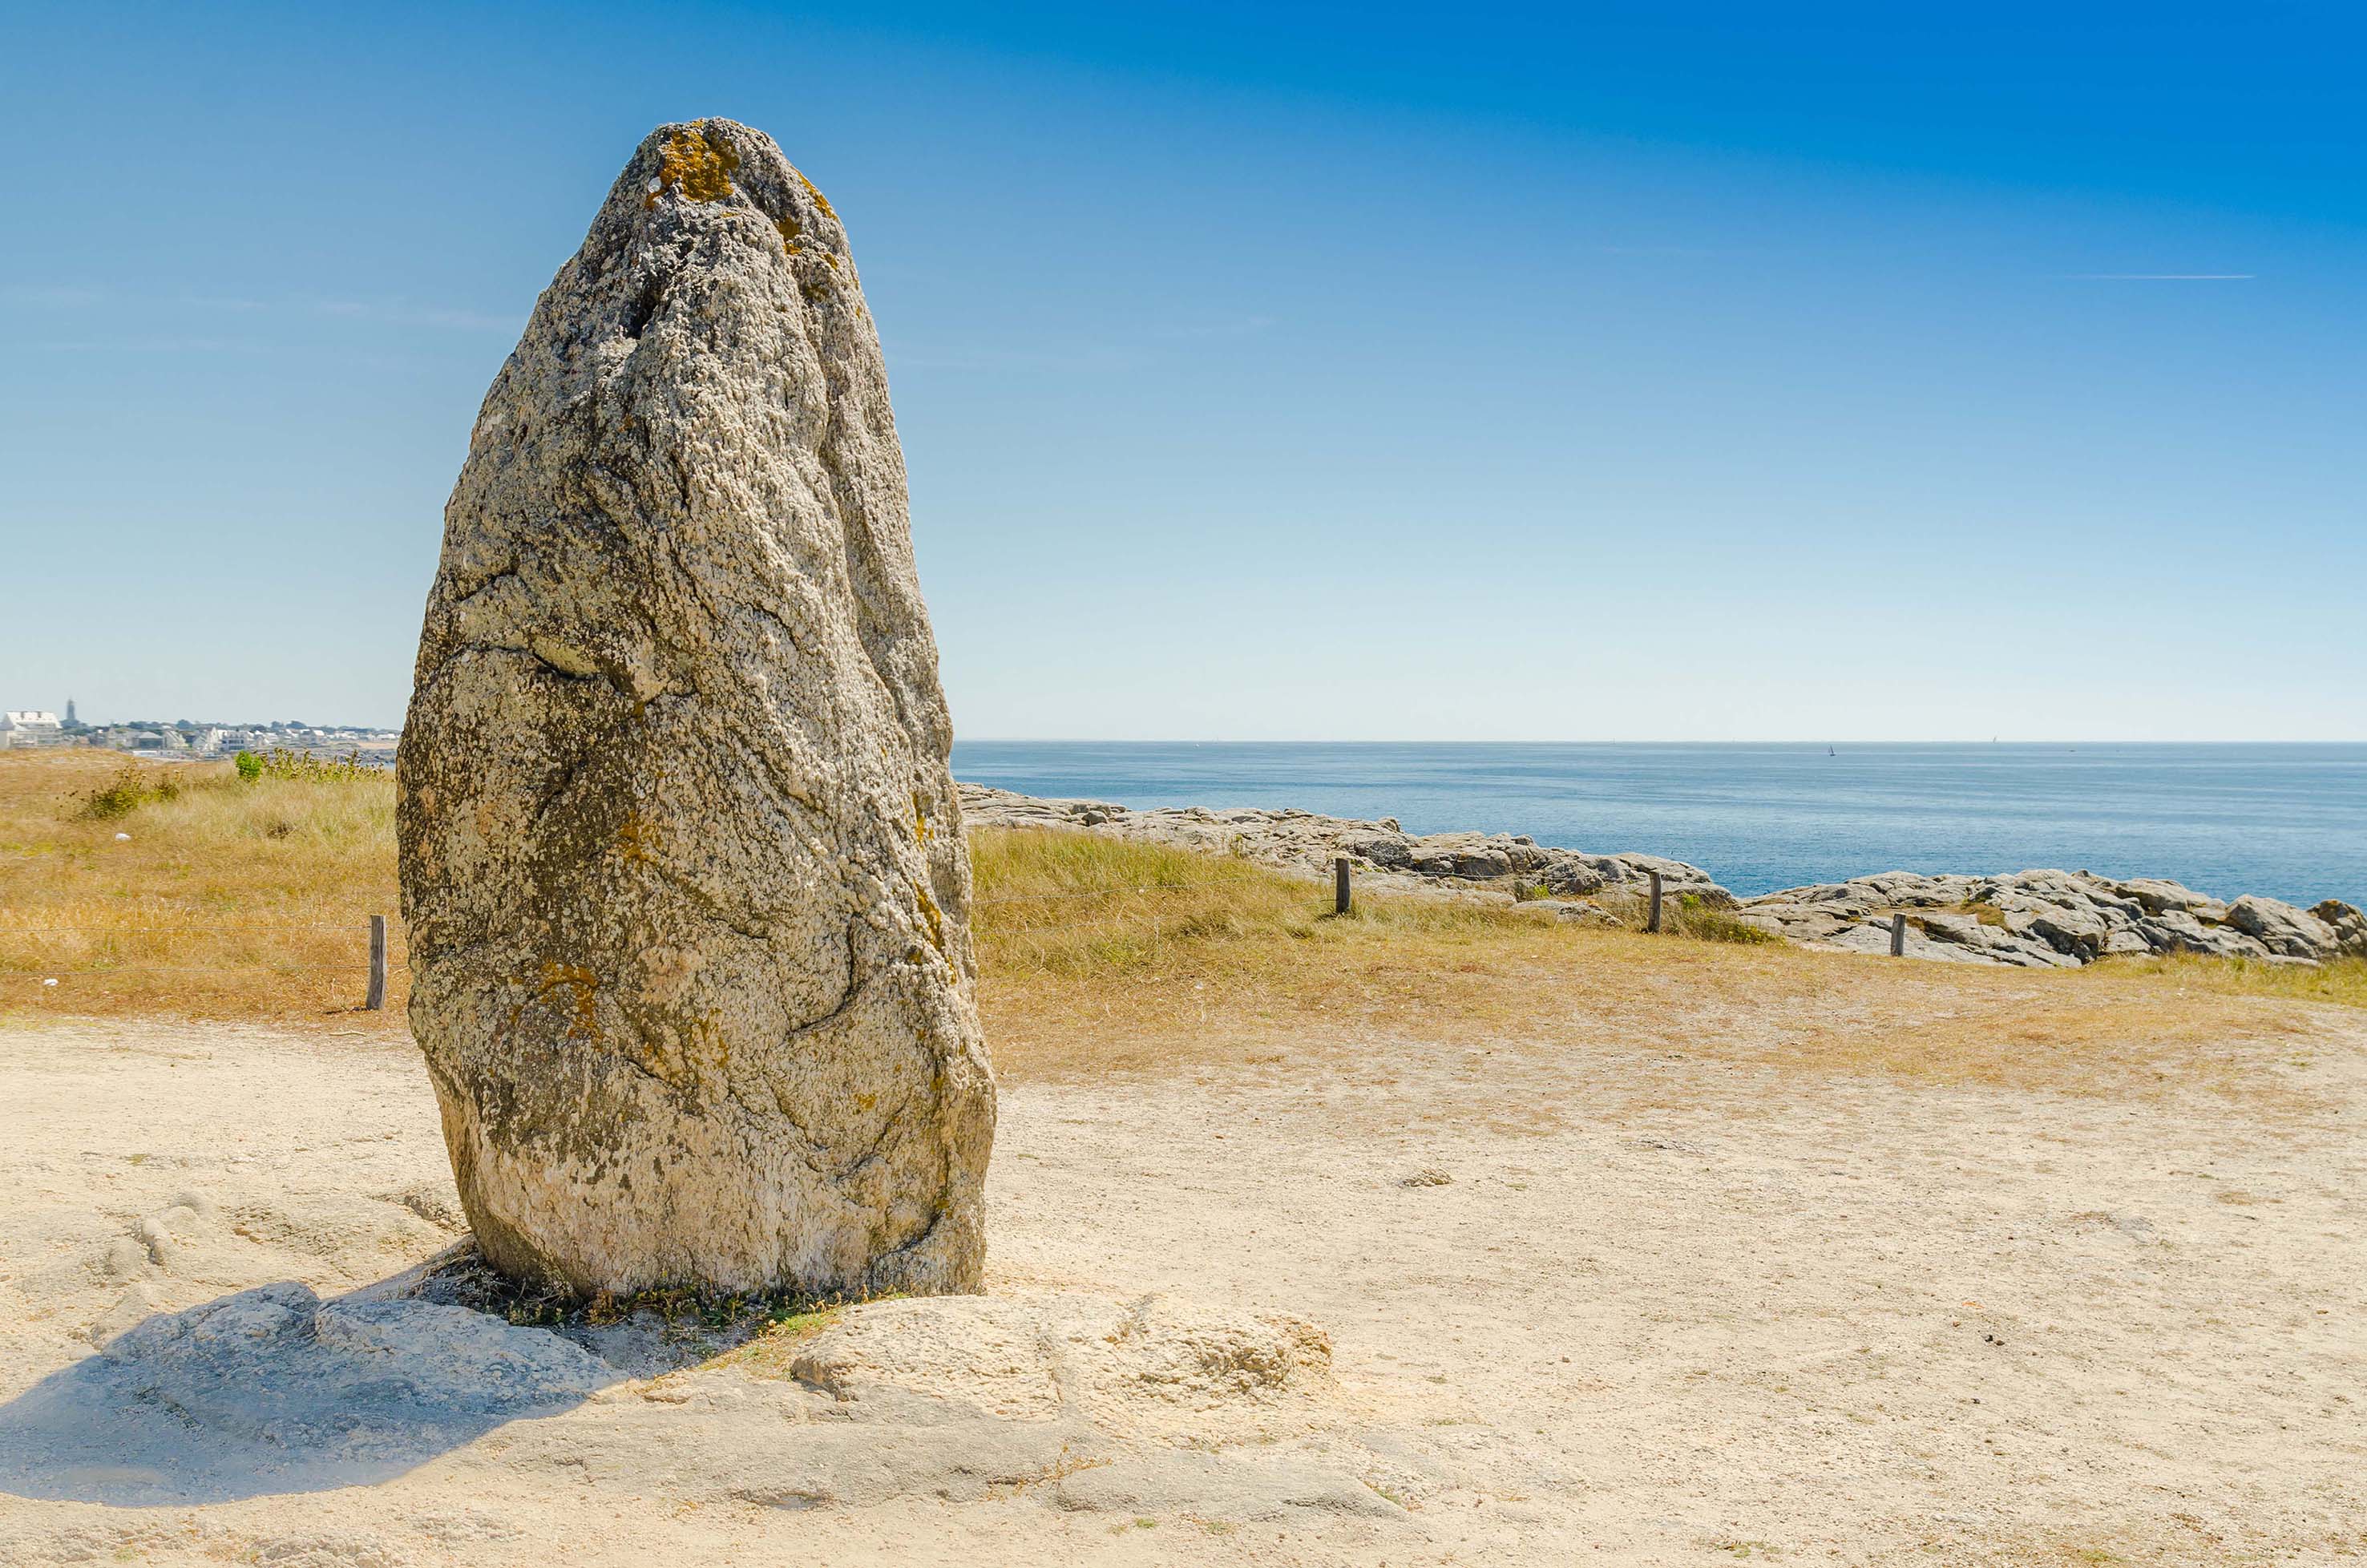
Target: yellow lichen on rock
point(699, 166)
point(580, 986)
point(637, 837)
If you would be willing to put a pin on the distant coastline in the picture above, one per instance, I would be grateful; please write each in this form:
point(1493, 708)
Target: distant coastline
point(2284, 821)
point(2036, 918)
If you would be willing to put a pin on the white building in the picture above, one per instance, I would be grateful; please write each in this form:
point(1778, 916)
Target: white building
point(28, 727)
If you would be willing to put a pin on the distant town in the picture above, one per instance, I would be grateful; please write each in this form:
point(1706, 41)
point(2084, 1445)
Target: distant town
point(190, 738)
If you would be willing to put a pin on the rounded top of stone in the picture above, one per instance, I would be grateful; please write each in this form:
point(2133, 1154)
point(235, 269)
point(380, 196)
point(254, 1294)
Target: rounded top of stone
point(717, 167)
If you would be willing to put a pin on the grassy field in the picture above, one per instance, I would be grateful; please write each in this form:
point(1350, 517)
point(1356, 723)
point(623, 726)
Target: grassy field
point(220, 900)
point(180, 890)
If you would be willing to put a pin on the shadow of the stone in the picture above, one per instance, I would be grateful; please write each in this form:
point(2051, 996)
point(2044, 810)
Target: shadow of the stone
point(275, 1390)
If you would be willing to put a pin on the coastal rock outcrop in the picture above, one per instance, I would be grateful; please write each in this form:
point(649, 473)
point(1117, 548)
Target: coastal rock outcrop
point(1309, 843)
point(683, 863)
point(2348, 926)
point(2037, 919)
point(2034, 919)
point(2281, 928)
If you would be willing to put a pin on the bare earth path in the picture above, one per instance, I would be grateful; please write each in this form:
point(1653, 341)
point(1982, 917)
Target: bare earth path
point(1623, 1305)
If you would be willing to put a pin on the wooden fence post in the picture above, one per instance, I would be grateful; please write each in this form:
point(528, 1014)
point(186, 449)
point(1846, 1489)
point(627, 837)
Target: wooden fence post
point(1654, 924)
point(1898, 936)
point(1340, 885)
point(378, 964)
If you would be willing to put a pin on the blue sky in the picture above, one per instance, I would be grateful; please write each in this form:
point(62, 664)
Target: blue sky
point(1577, 373)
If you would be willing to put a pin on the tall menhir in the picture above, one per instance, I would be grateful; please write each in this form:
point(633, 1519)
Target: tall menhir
point(682, 859)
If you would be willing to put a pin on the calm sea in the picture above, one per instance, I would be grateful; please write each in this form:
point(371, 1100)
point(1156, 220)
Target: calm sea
point(2287, 821)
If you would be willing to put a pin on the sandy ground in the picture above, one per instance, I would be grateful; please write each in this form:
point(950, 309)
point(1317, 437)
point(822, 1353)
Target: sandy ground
point(1620, 1306)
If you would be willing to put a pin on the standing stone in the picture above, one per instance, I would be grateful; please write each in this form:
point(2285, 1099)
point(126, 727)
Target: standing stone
point(681, 858)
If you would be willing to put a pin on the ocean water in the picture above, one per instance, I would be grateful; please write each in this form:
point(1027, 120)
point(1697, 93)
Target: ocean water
point(2286, 820)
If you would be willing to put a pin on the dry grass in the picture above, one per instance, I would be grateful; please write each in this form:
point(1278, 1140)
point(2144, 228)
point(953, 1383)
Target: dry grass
point(1099, 956)
point(2341, 983)
point(228, 901)
point(1247, 964)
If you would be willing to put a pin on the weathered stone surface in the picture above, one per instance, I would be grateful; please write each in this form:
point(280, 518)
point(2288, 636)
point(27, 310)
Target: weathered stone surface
point(2282, 930)
point(2348, 926)
point(2030, 919)
point(273, 1389)
point(683, 864)
point(1874, 937)
point(2154, 896)
point(2176, 931)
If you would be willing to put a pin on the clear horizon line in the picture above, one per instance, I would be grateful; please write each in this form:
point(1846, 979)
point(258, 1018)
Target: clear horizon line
point(1788, 741)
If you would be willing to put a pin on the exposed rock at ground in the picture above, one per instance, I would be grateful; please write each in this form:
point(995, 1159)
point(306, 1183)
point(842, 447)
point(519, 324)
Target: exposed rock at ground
point(1306, 843)
point(2157, 897)
point(1036, 1359)
point(2348, 926)
point(273, 1388)
point(2045, 918)
point(683, 864)
point(2282, 930)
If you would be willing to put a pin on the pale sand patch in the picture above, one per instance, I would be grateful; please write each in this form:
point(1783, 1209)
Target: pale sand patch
point(1660, 1309)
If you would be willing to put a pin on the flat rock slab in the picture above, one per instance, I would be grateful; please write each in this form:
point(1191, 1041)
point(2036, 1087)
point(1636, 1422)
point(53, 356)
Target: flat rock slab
point(2054, 919)
point(272, 1389)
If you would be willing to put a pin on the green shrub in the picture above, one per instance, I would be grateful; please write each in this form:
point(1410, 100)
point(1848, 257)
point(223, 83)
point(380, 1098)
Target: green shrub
point(1703, 923)
point(280, 761)
point(250, 766)
point(128, 792)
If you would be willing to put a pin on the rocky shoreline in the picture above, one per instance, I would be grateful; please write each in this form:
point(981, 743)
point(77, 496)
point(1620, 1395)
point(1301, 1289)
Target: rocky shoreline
point(2027, 919)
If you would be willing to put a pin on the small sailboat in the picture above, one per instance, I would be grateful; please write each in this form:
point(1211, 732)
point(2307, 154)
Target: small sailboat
point(1830, 751)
